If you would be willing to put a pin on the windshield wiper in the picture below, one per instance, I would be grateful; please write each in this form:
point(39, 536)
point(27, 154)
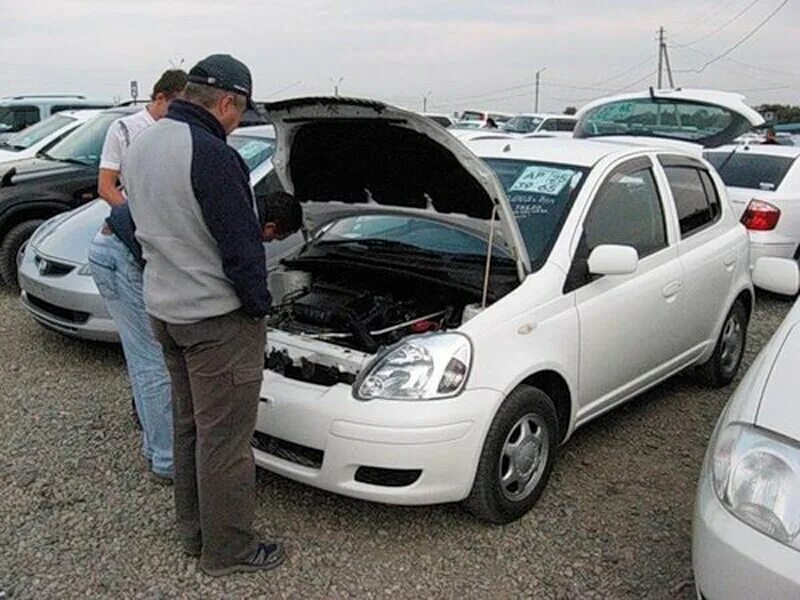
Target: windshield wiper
point(725, 162)
point(378, 244)
point(72, 161)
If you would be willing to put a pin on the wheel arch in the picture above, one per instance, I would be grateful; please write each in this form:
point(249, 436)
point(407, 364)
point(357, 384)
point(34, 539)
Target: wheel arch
point(555, 385)
point(29, 211)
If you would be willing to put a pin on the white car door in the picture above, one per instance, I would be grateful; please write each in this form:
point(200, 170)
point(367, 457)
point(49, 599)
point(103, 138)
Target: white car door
point(711, 251)
point(629, 324)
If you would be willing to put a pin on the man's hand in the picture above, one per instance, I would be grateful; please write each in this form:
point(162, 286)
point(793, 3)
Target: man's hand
point(107, 187)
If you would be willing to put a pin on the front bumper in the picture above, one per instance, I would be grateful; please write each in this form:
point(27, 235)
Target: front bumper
point(732, 560)
point(440, 441)
point(69, 304)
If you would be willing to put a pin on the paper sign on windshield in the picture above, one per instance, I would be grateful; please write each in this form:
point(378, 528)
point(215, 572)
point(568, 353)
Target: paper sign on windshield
point(251, 149)
point(542, 180)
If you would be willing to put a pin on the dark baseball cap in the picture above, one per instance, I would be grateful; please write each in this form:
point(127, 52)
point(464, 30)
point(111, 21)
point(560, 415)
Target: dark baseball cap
point(224, 72)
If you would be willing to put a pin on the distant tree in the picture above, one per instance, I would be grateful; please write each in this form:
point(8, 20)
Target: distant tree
point(570, 110)
point(784, 113)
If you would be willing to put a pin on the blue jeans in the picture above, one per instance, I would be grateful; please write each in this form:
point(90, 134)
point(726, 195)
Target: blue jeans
point(119, 279)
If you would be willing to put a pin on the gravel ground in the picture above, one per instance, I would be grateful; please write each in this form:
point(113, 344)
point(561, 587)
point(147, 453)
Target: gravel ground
point(80, 518)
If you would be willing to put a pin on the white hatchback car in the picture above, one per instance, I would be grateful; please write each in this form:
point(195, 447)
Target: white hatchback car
point(764, 187)
point(747, 515)
point(468, 309)
point(28, 142)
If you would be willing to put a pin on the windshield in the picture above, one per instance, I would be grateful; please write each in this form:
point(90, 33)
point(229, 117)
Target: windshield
point(471, 115)
point(254, 150)
point(522, 124)
point(36, 133)
point(407, 233)
point(751, 171)
point(540, 195)
point(84, 146)
point(705, 124)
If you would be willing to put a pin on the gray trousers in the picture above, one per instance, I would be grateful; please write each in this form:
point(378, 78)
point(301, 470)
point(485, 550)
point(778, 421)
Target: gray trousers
point(216, 367)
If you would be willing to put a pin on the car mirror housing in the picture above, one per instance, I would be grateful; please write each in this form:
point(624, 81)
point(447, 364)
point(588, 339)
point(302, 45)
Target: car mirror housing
point(777, 275)
point(609, 259)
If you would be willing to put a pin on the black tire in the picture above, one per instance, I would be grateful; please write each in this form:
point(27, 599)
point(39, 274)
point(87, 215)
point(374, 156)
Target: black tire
point(719, 370)
point(10, 247)
point(489, 499)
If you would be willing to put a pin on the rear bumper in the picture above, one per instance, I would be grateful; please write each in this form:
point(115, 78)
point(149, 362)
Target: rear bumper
point(440, 441)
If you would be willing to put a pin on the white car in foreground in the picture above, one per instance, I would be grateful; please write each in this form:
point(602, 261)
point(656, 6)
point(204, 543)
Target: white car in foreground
point(28, 142)
point(747, 515)
point(764, 187)
point(468, 309)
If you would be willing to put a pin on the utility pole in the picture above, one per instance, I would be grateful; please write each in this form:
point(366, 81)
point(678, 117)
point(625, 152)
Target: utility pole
point(663, 59)
point(425, 102)
point(336, 83)
point(536, 100)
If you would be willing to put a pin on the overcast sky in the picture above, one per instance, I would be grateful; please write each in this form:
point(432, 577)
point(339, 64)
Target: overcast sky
point(463, 53)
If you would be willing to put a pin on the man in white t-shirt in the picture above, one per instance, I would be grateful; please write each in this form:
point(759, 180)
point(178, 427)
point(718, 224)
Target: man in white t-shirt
point(116, 261)
point(123, 131)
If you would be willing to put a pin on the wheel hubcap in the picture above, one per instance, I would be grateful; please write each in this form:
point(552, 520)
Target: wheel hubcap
point(523, 457)
point(732, 341)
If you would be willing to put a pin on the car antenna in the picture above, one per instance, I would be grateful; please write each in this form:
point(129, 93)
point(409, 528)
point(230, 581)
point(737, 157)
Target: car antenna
point(488, 269)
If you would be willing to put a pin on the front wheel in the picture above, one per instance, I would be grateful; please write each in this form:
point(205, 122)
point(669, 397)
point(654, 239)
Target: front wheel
point(517, 457)
point(721, 368)
point(10, 247)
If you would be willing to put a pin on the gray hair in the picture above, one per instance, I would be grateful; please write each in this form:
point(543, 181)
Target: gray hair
point(207, 96)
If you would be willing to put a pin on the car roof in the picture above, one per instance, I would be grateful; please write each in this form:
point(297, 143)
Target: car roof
point(81, 115)
point(261, 131)
point(584, 153)
point(547, 116)
point(51, 99)
point(763, 149)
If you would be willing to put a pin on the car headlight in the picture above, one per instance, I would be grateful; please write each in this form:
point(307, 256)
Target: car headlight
point(424, 367)
point(85, 269)
point(756, 476)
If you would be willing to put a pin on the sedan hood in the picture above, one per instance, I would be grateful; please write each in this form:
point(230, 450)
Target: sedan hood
point(779, 410)
point(372, 156)
point(38, 168)
point(67, 237)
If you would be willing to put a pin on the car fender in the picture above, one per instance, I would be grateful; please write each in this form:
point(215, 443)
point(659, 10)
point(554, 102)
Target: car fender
point(23, 209)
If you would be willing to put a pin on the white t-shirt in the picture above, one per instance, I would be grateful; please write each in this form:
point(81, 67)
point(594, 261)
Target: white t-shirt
point(120, 135)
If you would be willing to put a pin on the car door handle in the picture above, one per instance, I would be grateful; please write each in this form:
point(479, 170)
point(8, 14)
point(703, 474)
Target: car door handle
point(730, 262)
point(671, 290)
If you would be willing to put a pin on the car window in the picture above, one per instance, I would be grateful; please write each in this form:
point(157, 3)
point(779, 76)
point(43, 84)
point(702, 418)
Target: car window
point(549, 125)
point(696, 207)
point(751, 171)
point(627, 211)
point(471, 115)
point(18, 117)
point(565, 125)
point(522, 124)
point(85, 144)
point(36, 133)
point(254, 150)
point(540, 195)
point(674, 118)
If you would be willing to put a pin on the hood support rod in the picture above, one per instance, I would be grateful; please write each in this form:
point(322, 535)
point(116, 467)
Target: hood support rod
point(488, 268)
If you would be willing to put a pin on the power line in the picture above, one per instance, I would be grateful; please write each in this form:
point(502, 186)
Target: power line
point(723, 26)
point(736, 62)
point(627, 71)
point(742, 40)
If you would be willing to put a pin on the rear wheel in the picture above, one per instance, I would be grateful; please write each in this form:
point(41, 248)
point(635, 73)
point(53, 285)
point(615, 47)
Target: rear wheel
point(721, 368)
point(10, 247)
point(517, 458)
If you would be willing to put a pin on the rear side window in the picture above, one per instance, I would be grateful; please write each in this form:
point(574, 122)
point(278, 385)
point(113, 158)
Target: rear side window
point(565, 125)
point(17, 118)
point(627, 211)
point(751, 171)
point(695, 198)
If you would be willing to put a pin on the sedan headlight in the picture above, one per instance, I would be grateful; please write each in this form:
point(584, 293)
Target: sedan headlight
point(425, 367)
point(756, 475)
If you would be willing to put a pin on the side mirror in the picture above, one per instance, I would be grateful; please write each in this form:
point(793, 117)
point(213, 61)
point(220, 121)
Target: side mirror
point(608, 259)
point(777, 275)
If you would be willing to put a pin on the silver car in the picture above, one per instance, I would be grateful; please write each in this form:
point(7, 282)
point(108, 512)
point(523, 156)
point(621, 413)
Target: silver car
point(747, 515)
point(54, 273)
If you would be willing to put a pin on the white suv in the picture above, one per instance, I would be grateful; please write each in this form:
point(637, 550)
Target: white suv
point(468, 308)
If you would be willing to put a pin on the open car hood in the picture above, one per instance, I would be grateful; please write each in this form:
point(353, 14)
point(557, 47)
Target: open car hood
point(705, 117)
point(365, 156)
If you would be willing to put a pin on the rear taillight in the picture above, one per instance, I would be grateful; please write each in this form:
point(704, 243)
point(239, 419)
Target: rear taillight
point(760, 216)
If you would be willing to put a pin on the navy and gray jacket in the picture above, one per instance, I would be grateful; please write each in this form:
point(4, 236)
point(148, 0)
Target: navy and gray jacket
point(190, 197)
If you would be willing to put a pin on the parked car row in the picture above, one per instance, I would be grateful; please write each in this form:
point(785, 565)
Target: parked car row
point(19, 112)
point(428, 251)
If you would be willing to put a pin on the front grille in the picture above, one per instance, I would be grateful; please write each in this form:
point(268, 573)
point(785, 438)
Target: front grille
point(279, 362)
point(387, 477)
point(51, 268)
point(296, 453)
point(65, 314)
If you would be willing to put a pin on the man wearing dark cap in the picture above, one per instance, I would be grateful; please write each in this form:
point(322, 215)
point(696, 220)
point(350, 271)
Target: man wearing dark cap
point(205, 288)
